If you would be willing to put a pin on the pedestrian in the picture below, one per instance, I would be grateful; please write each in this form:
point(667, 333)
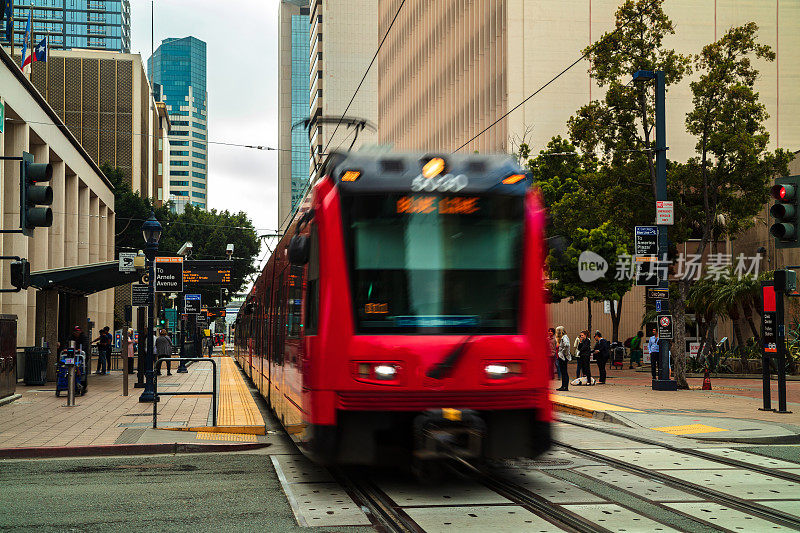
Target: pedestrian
point(602, 352)
point(131, 350)
point(103, 341)
point(584, 353)
point(636, 349)
point(653, 348)
point(562, 356)
point(164, 349)
point(79, 338)
point(553, 343)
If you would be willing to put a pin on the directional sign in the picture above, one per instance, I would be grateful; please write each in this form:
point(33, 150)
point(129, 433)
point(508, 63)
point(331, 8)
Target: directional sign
point(658, 306)
point(665, 212)
point(139, 295)
point(646, 252)
point(169, 274)
point(191, 304)
point(126, 260)
point(665, 327)
point(652, 293)
point(646, 240)
point(769, 320)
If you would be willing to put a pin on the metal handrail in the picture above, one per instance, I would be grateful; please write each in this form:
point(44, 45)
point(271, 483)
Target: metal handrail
point(213, 391)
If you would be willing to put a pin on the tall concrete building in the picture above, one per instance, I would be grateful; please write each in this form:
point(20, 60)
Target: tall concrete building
point(72, 262)
point(293, 156)
point(86, 24)
point(179, 67)
point(450, 68)
point(106, 101)
point(334, 70)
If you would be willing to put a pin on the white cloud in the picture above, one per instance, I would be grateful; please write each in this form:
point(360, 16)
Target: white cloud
point(242, 66)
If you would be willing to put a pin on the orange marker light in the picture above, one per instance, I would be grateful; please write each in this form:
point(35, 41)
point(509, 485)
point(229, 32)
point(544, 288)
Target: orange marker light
point(351, 175)
point(433, 168)
point(514, 179)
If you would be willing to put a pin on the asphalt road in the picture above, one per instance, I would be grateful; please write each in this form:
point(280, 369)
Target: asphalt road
point(198, 492)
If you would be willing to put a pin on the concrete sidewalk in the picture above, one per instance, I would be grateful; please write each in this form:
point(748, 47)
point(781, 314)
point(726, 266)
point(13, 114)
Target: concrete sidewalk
point(729, 412)
point(106, 418)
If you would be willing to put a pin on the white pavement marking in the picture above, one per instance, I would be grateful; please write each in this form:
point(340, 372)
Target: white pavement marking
point(727, 518)
point(496, 518)
point(616, 518)
point(316, 503)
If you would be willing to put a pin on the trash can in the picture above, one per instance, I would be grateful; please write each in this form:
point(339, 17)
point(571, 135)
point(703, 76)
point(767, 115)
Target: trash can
point(36, 365)
point(8, 355)
point(617, 354)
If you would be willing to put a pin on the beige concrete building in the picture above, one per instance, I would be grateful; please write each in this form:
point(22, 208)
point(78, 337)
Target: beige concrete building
point(336, 65)
point(106, 101)
point(82, 233)
point(450, 68)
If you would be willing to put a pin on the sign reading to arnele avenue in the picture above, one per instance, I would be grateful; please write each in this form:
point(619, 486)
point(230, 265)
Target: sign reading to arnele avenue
point(169, 274)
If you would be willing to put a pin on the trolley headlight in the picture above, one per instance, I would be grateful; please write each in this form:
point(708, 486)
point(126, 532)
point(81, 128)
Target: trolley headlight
point(503, 370)
point(383, 372)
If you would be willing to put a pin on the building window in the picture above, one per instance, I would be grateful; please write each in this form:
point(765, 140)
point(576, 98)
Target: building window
point(198, 185)
point(179, 133)
point(178, 183)
point(195, 164)
point(198, 175)
point(179, 143)
point(198, 194)
point(161, 169)
point(178, 172)
point(180, 193)
point(198, 155)
point(198, 135)
point(180, 163)
point(161, 144)
point(179, 152)
point(199, 145)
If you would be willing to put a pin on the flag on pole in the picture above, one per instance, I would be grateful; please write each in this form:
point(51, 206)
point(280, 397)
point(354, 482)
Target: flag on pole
point(25, 40)
point(37, 54)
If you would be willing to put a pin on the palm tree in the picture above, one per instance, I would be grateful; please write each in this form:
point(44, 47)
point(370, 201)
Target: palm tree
point(701, 300)
point(725, 300)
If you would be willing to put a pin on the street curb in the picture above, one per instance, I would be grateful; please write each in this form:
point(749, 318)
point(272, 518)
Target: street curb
point(248, 430)
point(783, 439)
point(50, 452)
point(9, 399)
point(603, 416)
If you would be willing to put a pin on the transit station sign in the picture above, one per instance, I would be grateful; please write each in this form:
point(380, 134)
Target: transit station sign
point(207, 272)
point(169, 274)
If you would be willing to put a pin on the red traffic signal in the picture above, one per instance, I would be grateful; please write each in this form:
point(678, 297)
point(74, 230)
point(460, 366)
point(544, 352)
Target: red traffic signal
point(785, 211)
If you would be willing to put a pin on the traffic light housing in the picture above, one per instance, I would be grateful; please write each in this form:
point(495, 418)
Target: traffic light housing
point(20, 274)
point(785, 229)
point(34, 197)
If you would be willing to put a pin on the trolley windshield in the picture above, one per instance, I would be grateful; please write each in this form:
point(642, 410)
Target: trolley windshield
point(434, 264)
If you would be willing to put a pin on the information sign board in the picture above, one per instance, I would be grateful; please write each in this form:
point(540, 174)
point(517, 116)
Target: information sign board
point(169, 274)
point(207, 272)
point(139, 295)
point(126, 260)
point(652, 293)
point(646, 240)
point(646, 253)
point(665, 212)
point(192, 304)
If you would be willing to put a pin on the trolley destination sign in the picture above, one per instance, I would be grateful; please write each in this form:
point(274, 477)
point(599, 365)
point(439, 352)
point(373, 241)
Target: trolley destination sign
point(207, 272)
point(169, 274)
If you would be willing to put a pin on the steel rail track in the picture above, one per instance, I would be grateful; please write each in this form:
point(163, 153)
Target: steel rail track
point(388, 515)
point(788, 476)
point(751, 508)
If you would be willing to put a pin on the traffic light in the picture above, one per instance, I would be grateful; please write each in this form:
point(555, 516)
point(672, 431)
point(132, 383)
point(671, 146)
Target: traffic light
point(20, 274)
point(785, 211)
point(33, 197)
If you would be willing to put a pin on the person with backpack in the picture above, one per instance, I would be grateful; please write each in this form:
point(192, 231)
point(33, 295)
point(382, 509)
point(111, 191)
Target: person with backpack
point(563, 355)
point(636, 349)
point(602, 352)
point(103, 351)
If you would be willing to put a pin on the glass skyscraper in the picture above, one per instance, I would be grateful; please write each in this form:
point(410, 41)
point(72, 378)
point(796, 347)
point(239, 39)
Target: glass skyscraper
point(300, 88)
point(91, 24)
point(179, 67)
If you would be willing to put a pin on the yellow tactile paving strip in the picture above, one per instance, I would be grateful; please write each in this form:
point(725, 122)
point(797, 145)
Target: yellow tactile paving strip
point(236, 405)
point(238, 437)
point(589, 405)
point(689, 429)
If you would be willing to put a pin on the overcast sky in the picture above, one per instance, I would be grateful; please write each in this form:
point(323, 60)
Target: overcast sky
point(242, 48)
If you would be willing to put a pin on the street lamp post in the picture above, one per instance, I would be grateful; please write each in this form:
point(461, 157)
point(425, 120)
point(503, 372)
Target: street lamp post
point(662, 381)
point(151, 231)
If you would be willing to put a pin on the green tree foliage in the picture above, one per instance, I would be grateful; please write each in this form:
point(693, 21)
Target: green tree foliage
point(209, 231)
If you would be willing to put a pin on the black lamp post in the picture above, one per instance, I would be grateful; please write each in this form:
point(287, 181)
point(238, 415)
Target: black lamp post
point(151, 231)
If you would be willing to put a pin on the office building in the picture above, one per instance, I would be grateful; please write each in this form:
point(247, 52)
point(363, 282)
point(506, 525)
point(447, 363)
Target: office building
point(106, 101)
point(85, 24)
point(179, 67)
point(72, 262)
point(293, 143)
point(451, 68)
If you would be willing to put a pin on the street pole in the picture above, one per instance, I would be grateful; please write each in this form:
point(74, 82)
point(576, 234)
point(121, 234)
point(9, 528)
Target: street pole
point(141, 317)
point(148, 395)
point(182, 366)
point(780, 290)
point(663, 382)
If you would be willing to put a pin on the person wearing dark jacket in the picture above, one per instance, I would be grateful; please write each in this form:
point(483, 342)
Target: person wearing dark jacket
point(81, 341)
point(602, 352)
point(584, 351)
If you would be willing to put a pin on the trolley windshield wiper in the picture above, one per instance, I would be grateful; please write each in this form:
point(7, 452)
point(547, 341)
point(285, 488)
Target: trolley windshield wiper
point(443, 367)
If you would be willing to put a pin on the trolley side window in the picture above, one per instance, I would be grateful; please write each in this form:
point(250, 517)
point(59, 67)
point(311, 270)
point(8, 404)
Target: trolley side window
point(312, 288)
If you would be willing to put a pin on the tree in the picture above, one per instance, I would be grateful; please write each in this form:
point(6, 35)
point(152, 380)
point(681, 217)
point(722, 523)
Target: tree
point(607, 242)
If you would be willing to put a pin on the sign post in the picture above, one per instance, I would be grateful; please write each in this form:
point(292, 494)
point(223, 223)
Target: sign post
point(139, 295)
point(779, 288)
point(665, 329)
point(645, 252)
point(126, 262)
point(192, 304)
point(169, 274)
point(769, 345)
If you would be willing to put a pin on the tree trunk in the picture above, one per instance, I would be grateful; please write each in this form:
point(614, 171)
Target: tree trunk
point(709, 343)
point(679, 351)
point(615, 320)
point(589, 323)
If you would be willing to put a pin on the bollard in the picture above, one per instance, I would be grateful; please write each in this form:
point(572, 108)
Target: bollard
point(71, 386)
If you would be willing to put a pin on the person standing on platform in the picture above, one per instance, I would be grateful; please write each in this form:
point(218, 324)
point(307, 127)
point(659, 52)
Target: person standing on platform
point(562, 356)
point(131, 350)
point(103, 351)
point(602, 352)
point(164, 349)
point(652, 347)
point(584, 353)
point(636, 349)
point(551, 338)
